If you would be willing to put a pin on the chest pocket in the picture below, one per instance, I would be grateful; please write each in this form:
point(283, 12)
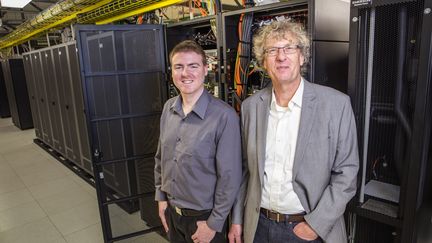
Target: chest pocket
point(203, 147)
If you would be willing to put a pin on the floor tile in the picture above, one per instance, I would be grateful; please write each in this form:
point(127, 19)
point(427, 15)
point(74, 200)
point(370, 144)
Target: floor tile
point(5, 169)
point(52, 187)
point(10, 183)
point(91, 234)
point(39, 231)
point(20, 215)
point(22, 163)
point(40, 173)
point(65, 200)
point(15, 198)
point(78, 218)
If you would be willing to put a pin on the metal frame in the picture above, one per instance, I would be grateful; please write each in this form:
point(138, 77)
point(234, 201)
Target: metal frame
point(98, 161)
point(417, 161)
point(419, 146)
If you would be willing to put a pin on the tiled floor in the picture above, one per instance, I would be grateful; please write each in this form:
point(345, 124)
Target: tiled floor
point(42, 201)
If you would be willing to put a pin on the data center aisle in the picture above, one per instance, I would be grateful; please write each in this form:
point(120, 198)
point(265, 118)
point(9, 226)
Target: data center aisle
point(42, 201)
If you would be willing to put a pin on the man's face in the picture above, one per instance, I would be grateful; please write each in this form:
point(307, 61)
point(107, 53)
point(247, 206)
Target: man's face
point(188, 72)
point(283, 68)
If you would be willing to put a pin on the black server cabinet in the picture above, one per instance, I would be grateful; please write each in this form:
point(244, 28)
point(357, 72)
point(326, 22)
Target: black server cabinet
point(4, 103)
point(124, 83)
point(327, 23)
point(41, 97)
point(390, 85)
point(79, 110)
point(57, 102)
point(15, 80)
point(52, 94)
point(66, 103)
point(33, 96)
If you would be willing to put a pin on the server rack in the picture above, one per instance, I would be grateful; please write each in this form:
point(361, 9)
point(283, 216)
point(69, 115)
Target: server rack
point(52, 93)
point(15, 80)
point(390, 86)
point(329, 34)
point(33, 98)
point(35, 70)
point(80, 113)
point(4, 103)
point(60, 122)
point(61, 126)
point(64, 117)
point(124, 94)
point(66, 103)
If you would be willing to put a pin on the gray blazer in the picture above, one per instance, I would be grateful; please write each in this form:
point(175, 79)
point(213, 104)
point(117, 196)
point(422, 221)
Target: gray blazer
point(325, 164)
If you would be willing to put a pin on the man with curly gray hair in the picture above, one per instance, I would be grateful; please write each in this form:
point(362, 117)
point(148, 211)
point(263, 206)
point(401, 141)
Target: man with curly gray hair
point(299, 149)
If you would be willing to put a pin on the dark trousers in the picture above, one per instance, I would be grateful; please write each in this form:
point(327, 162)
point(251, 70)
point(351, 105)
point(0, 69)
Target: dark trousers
point(273, 232)
point(181, 228)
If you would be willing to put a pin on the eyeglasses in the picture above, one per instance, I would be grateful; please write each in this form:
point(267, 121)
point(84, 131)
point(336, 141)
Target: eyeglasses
point(289, 49)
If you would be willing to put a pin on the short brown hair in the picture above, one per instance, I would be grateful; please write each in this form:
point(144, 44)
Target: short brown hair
point(278, 29)
point(188, 46)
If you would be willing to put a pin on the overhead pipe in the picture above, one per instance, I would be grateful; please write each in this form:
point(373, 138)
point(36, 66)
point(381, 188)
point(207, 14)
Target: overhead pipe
point(136, 11)
point(68, 10)
point(54, 16)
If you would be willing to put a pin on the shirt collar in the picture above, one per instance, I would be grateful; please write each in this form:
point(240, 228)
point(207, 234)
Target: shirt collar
point(296, 99)
point(298, 96)
point(199, 108)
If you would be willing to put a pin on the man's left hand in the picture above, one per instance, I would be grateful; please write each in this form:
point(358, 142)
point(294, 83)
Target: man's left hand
point(235, 233)
point(305, 232)
point(203, 234)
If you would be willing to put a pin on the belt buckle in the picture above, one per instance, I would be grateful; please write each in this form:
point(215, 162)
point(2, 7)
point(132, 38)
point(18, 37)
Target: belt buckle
point(178, 211)
point(278, 217)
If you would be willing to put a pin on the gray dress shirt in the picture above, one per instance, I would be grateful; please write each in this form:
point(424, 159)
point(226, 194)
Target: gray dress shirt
point(198, 161)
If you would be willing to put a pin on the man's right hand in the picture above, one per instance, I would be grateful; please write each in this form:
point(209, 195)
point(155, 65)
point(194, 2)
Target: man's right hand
point(235, 233)
point(162, 207)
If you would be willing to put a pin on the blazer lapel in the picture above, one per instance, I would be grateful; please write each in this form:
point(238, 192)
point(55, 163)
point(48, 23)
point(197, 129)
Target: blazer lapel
point(306, 122)
point(263, 110)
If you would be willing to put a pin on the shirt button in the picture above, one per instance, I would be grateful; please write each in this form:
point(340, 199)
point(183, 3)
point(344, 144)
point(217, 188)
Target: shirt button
point(178, 140)
point(175, 159)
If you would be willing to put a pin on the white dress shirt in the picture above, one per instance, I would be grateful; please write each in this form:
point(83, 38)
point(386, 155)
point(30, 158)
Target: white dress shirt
point(283, 125)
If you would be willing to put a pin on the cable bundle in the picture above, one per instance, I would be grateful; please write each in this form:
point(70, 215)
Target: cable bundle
point(241, 71)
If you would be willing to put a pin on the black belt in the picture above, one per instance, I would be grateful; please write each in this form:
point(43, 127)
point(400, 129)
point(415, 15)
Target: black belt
point(189, 212)
point(279, 217)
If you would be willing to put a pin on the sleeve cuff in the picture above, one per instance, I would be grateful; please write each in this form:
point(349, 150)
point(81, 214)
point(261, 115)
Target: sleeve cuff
point(237, 216)
point(318, 227)
point(215, 224)
point(160, 196)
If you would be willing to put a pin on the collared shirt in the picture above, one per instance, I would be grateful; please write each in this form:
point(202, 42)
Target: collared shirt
point(198, 161)
point(283, 125)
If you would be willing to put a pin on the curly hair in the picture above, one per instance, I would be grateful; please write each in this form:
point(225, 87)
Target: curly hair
point(188, 46)
point(278, 30)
